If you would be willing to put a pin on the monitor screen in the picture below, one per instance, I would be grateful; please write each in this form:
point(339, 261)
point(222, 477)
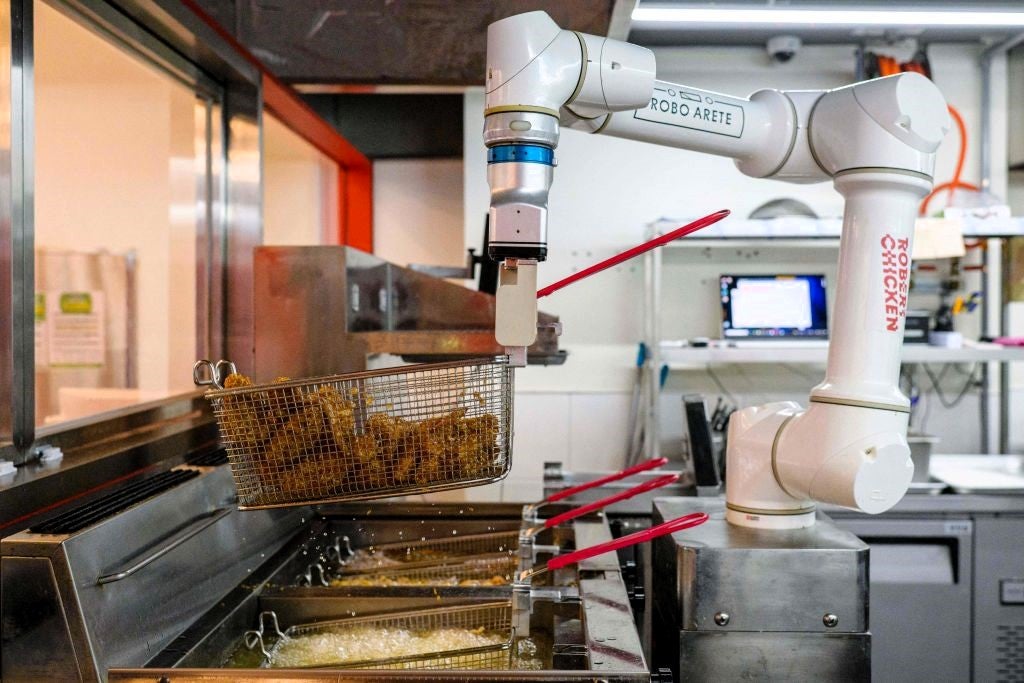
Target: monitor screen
point(773, 306)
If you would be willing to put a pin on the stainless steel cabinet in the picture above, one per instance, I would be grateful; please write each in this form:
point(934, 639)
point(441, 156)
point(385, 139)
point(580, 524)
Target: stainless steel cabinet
point(921, 582)
point(999, 599)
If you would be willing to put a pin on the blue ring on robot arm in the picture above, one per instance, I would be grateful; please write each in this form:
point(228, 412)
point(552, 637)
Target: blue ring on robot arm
point(531, 154)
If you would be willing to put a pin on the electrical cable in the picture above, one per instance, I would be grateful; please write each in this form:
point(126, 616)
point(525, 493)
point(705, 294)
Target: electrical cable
point(906, 385)
point(936, 381)
point(718, 383)
point(922, 425)
point(802, 375)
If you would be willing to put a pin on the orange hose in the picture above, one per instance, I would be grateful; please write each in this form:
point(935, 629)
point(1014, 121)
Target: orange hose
point(962, 128)
point(956, 183)
point(939, 188)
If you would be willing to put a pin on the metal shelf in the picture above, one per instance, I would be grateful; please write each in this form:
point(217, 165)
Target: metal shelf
point(684, 358)
point(806, 232)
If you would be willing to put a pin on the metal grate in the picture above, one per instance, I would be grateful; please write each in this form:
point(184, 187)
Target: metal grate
point(109, 505)
point(209, 459)
point(1010, 653)
point(493, 618)
point(367, 435)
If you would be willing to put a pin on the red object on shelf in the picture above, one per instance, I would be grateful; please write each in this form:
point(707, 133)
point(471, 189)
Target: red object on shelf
point(650, 485)
point(677, 524)
point(1009, 341)
point(635, 251)
point(651, 464)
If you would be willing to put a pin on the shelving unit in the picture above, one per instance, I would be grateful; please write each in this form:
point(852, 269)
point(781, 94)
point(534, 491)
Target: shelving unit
point(808, 233)
point(682, 358)
point(798, 231)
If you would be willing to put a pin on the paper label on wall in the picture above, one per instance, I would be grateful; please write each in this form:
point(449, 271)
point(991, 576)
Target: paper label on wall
point(42, 338)
point(77, 335)
point(936, 238)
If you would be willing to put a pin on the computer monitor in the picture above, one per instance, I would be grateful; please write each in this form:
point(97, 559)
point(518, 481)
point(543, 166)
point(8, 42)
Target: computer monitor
point(774, 307)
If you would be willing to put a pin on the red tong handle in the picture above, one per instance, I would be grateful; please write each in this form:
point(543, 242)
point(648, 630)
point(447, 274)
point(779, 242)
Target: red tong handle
point(651, 464)
point(635, 251)
point(655, 483)
point(677, 524)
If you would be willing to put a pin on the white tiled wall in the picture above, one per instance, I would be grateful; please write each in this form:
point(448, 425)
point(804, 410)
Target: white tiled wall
point(598, 424)
point(542, 432)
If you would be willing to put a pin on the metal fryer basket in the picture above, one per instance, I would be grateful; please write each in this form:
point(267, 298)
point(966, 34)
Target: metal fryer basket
point(495, 617)
point(422, 553)
point(365, 435)
point(496, 569)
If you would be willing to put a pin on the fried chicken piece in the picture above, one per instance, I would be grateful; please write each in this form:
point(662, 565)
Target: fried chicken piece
point(435, 441)
point(389, 434)
point(237, 380)
point(298, 435)
point(243, 418)
point(284, 403)
point(313, 477)
point(478, 447)
point(449, 447)
point(368, 470)
point(340, 414)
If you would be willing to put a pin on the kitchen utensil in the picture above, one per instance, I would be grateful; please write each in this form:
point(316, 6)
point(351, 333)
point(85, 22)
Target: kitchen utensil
point(642, 536)
point(634, 252)
point(530, 511)
point(364, 435)
point(493, 617)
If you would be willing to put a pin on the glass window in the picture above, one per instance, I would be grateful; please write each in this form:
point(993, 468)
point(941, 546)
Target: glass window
point(300, 189)
point(120, 181)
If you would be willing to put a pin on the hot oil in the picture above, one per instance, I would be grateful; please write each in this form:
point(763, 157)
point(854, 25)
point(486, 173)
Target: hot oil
point(532, 653)
point(360, 644)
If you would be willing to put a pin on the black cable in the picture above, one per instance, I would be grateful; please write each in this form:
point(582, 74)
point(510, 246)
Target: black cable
point(936, 381)
point(923, 422)
point(718, 383)
point(906, 379)
point(814, 379)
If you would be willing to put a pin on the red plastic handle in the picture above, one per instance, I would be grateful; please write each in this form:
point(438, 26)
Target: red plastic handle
point(677, 524)
point(651, 464)
point(635, 251)
point(650, 485)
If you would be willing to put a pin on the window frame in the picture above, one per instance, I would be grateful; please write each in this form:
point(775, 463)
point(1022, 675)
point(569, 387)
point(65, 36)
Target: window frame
point(18, 431)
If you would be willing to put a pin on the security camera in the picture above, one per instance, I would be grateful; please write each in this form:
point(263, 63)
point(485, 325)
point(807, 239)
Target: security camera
point(782, 48)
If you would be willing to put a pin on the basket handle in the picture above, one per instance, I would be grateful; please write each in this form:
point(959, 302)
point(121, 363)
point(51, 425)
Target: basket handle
point(651, 464)
point(649, 485)
point(677, 524)
point(209, 374)
point(254, 638)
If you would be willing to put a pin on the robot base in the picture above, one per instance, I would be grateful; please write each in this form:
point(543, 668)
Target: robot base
point(740, 604)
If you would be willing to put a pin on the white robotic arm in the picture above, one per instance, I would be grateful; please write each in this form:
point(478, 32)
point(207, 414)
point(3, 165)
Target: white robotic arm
point(876, 140)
